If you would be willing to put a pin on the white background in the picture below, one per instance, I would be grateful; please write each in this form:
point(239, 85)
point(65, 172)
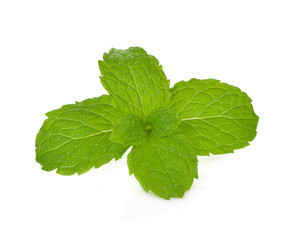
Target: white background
point(48, 57)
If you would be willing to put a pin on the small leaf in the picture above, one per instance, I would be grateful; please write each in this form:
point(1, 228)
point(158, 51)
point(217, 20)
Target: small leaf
point(128, 130)
point(162, 122)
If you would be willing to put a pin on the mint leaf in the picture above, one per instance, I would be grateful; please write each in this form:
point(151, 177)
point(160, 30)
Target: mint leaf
point(132, 130)
point(166, 127)
point(135, 80)
point(217, 117)
point(128, 130)
point(166, 165)
point(162, 122)
point(75, 138)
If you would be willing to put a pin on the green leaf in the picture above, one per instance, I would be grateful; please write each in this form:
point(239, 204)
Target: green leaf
point(128, 130)
point(162, 122)
point(135, 80)
point(166, 127)
point(218, 118)
point(132, 130)
point(75, 138)
point(166, 165)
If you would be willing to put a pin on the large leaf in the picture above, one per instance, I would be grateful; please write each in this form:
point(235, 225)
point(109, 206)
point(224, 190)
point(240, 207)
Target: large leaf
point(217, 117)
point(75, 138)
point(135, 80)
point(165, 165)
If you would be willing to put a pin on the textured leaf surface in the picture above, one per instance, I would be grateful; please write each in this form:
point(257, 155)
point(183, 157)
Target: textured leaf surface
point(217, 117)
point(166, 165)
point(128, 130)
point(162, 122)
point(75, 138)
point(135, 80)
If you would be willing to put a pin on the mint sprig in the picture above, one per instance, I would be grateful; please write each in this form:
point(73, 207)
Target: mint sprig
point(167, 128)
